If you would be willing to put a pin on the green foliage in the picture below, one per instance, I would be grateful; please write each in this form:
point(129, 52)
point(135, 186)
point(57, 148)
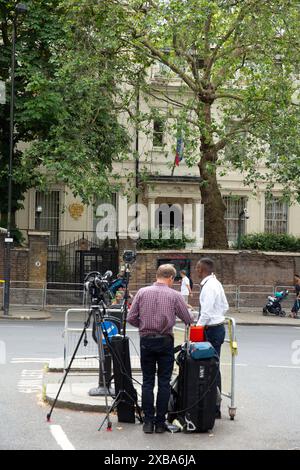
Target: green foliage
point(239, 58)
point(65, 103)
point(163, 240)
point(270, 242)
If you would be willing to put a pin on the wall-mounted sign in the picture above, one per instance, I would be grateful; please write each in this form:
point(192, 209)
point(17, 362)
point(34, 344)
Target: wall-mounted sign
point(76, 210)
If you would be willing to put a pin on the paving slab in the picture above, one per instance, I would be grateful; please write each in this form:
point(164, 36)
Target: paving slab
point(75, 396)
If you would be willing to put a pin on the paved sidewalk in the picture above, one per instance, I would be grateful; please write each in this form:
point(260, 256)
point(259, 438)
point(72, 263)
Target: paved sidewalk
point(26, 314)
point(243, 316)
point(254, 316)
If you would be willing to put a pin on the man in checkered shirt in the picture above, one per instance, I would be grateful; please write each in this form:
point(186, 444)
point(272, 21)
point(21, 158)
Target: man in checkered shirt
point(153, 312)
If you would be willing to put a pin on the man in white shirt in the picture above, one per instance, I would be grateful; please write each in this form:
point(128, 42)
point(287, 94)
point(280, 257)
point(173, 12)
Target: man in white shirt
point(213, 306)
point(185, 289)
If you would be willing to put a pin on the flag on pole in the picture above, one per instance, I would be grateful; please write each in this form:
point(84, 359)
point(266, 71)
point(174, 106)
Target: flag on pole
point(179, 151)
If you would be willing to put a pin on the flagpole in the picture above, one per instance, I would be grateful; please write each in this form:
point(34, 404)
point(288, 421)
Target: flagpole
point(174, 165)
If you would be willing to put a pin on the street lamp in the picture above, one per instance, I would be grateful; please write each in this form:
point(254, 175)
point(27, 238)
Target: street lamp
point(38, 212)
point(20, 9)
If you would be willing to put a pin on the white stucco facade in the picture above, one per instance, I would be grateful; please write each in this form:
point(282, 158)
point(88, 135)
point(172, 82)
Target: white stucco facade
point(180, 186)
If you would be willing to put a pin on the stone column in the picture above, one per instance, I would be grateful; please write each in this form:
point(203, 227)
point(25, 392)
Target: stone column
point(188, 219)
point(198, 225)
point(151, 213)
point(37, 258)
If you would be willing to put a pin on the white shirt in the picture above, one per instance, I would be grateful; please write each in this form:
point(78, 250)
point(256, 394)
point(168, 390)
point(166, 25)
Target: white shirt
point(185, 284)
point(213, 302)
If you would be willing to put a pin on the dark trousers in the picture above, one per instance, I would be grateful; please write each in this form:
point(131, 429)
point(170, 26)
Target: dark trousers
point(296, 306)
point(156, 353)
point(216, 336)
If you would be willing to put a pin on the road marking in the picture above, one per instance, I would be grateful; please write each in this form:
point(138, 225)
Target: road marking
point(237, 365)
point(61, 438)
point(15, 326)
point(29, 360)
point(284, 367)
point(31, 381)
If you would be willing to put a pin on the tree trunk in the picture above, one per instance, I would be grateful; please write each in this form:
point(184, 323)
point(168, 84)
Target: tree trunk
point(215, 235)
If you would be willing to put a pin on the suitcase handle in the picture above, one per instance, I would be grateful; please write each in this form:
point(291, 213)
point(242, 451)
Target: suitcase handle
point(189, 425)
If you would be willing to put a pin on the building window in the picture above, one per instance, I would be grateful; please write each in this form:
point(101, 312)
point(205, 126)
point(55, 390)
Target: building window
point(234, 205)
point(158, 132)
point(47, 214)
point(276, 216)
point(169, 217)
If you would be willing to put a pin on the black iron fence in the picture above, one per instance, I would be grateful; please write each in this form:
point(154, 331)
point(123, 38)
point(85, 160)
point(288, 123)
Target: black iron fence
point(77, 253)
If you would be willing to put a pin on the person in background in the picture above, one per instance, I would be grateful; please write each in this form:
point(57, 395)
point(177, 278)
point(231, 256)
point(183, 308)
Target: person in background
point(296, 306)
point(185, 289)
point(213, 306)
point(153, 312)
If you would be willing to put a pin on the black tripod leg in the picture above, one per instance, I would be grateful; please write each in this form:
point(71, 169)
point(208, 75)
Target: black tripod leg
point(111, 409)
point(102, 368)
point(68, 369)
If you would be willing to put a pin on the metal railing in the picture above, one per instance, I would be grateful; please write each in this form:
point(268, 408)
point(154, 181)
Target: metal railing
point(227, 361)
point(87, 358)
point(31, 294)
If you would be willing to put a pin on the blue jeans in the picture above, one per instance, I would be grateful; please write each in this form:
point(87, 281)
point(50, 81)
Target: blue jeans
point(156, 352)
point(216, 336)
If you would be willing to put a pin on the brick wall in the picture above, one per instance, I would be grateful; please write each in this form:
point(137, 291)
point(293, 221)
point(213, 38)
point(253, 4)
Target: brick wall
point(27, 263)
point(232, 267)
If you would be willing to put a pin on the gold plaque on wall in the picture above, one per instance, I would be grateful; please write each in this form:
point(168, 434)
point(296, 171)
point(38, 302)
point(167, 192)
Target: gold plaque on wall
point(76, 210)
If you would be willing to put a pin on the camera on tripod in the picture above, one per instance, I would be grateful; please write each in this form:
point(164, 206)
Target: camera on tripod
point(129, 256)
point(100, 289)
point(97, 286)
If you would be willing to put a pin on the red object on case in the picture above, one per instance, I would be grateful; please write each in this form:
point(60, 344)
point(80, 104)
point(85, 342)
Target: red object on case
point(197, 334)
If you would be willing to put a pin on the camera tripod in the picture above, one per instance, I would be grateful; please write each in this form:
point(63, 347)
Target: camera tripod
point(97, 315)
point(123, 395)
point(126, 298)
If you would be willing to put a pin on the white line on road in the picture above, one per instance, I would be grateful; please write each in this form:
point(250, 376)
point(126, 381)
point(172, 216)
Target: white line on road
point(15, 326)
point(61, 438)
point(31, 381)
point(284, 367)
point(29, 360)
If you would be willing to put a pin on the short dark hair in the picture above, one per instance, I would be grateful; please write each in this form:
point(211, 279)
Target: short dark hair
point(208, 263)
point(296, 275)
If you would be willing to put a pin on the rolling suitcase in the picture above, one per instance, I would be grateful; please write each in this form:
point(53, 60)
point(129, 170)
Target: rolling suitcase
point(197, 392)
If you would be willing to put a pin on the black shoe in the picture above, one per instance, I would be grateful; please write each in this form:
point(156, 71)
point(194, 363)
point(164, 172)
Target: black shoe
point(148, 428)
point(160, 428)
point(218, 414)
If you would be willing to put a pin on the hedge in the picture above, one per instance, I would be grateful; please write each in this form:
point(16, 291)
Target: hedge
point(270, 242)
point(158, 242)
